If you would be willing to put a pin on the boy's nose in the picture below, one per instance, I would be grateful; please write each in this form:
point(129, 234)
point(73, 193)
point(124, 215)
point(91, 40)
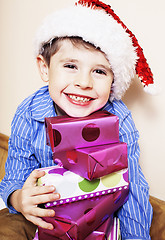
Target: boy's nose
point(84, 81)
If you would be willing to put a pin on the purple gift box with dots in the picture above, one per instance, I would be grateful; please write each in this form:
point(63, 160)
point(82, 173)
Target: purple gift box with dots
point(67, 133)
point(94, 162)
point(84, 204)
point(88, 146)
point(109, 229)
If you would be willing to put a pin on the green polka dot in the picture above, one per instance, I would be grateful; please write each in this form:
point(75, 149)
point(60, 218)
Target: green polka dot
point(111, 180)
point(39, 183)
point(89, 186)
point(40, 180)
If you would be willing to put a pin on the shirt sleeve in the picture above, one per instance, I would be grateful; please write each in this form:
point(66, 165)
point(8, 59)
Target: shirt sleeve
point(136, 214)
point(21, 160)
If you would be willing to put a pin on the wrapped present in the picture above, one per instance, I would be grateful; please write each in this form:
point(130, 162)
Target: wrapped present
point(108, 230)
point(84, 205)
point(66, 133)
point(104, 231)
point(94, 162)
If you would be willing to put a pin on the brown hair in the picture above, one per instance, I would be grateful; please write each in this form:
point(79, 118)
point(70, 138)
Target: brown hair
point(49, 49)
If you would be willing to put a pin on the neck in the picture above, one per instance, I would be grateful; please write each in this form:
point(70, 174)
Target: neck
point(59, 111)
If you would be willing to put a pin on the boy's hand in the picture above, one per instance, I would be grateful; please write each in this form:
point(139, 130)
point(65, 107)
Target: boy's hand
point(26, 200)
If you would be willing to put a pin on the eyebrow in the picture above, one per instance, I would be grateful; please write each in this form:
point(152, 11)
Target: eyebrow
point(68, 60)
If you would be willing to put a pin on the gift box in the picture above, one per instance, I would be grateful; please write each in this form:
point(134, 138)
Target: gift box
point(107, 230)
point(94, 162)
point(84, 205)
point(66, 133)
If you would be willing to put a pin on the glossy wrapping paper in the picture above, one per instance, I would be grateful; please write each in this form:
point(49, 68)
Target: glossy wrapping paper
point(94, 162)
point(108, 230)
point(66, 133)
point(91, 176)
point(84, 205)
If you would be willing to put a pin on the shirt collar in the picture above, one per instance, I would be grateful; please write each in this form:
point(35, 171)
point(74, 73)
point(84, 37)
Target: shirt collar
point(108, 107)
point(42, 105)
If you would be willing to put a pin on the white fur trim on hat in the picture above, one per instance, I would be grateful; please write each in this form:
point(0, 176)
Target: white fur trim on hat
point(100, 29)
point(152, 89)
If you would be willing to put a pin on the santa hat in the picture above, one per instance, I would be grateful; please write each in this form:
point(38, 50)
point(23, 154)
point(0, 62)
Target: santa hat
point(96, 22)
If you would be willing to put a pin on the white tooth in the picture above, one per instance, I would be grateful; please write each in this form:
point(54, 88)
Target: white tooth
point(79, 98)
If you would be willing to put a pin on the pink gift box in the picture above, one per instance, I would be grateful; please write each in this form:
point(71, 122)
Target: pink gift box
point(94, 162)
point(108, 230)
point(84, 205)
point(101, 233)
point(79, 219)
point(66, 133)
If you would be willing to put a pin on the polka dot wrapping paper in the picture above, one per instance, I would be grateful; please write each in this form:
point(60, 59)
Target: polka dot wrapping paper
point(73, 188)
point(87, 146)
point(96, 161)
point(109, 229)
point(84, 205)
point(66, 133)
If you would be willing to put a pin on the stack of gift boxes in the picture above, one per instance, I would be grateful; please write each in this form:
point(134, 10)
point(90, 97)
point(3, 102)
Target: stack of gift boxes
point(91, 176)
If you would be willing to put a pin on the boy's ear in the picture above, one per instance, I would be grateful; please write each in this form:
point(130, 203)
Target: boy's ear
point(43, 68)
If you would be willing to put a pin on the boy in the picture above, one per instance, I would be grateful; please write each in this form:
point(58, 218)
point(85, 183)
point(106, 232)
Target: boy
point(88, 56)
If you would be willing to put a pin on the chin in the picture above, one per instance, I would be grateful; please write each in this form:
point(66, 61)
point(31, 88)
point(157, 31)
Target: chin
point(78, 114)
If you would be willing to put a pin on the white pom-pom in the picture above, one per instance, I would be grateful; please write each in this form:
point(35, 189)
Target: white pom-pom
point(152, 89)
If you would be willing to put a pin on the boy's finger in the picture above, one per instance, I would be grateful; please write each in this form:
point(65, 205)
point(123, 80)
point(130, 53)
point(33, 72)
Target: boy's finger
point(41, 223)
point(42, 212)
point(39, 199)
point(39, 190)
point(32, 179)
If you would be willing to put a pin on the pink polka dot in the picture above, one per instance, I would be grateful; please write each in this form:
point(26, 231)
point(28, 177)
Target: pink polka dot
point(56, 137)
point(91, 132)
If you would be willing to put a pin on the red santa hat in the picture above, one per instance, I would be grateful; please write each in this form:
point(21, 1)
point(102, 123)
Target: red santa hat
point(96, 22)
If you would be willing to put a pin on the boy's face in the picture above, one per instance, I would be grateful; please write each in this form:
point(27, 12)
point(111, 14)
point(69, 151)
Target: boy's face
point(79, 79)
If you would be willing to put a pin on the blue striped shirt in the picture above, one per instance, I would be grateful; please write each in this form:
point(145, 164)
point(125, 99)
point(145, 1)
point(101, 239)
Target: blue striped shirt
point(28, 151)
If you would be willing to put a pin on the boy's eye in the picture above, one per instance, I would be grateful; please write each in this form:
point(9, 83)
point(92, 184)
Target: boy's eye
point(71, 66)
point(100, 71)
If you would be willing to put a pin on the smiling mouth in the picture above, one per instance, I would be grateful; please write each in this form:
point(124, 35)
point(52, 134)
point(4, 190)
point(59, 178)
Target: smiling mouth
point(79, 99)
